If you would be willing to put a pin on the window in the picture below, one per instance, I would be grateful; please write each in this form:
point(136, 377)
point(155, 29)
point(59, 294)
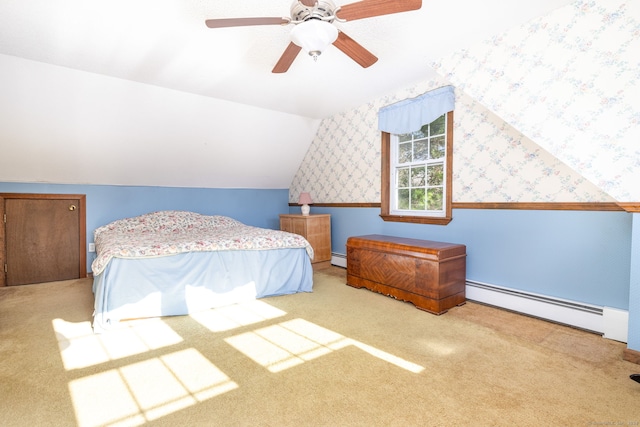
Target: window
point(416, 173)
point(417, 158)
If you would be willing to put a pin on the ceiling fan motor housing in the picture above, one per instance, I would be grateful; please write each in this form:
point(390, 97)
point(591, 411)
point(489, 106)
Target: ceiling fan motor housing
point(323, 10)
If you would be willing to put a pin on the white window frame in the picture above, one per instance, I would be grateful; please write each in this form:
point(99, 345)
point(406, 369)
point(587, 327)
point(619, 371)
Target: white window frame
point(393, 174)
point(388, 211)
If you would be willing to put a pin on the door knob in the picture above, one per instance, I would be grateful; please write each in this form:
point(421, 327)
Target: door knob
point(72, 207)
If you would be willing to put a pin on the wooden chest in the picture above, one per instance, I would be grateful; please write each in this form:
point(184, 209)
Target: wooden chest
point(431, 275)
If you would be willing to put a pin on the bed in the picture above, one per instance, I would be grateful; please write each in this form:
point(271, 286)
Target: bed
point(175, 262)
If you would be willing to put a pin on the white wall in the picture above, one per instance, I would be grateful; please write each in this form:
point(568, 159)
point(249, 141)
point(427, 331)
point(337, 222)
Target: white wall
point(60, 125)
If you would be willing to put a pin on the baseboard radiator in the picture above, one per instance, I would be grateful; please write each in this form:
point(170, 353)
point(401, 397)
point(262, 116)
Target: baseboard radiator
point(611, 323)
point(339, 259)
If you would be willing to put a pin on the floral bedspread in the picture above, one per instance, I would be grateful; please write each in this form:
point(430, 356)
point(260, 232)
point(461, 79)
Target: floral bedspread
point(173, 232)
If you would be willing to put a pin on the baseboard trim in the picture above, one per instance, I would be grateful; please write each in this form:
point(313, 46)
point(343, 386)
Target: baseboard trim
point(632, 356)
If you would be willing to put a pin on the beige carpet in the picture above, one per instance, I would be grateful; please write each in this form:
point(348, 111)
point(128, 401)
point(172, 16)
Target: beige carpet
point(336, 357)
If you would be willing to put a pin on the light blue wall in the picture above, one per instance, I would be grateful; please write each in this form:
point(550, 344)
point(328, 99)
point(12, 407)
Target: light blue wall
point(583, 256)
point(260, 208)
point(634, 289)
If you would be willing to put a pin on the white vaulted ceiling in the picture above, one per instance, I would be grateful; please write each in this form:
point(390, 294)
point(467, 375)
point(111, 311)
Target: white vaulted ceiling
point(124, 82)
point(165, 43)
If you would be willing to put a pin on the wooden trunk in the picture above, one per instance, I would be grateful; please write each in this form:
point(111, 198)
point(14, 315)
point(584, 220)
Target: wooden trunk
point(431, 275)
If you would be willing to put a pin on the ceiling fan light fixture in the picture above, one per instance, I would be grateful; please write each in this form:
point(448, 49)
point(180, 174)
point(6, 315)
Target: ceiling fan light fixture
point(314, 36)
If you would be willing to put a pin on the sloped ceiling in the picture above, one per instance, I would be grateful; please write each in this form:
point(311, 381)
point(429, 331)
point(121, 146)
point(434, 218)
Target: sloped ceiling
point(142, 93)
point(570, 82)
point(59, 125)
point(166, 43)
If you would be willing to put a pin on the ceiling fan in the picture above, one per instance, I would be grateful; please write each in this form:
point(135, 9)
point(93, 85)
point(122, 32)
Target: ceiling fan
point(314, 29)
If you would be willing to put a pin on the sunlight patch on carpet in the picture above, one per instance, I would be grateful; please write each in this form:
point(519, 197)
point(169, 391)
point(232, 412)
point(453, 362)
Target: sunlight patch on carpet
point(80, 347)
point(136, 393)
point(237, 315)
point(291, 343)
point(148, 390)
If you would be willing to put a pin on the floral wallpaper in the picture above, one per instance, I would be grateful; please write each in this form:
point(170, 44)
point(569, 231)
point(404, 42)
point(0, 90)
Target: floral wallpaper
point(547, 112)
point(570, 81)
point(342, 164)
point(492, 161)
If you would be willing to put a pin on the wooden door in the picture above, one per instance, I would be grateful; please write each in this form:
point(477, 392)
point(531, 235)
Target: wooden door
point(44, 238)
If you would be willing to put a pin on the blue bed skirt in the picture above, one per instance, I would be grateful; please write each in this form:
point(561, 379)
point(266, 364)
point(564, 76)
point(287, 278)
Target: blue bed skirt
point(195, 281)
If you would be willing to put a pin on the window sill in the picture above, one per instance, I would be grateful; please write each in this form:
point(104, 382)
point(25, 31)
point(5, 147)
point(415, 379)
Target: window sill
point(417, 219)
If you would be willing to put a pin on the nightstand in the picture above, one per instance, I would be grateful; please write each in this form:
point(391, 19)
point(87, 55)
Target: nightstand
point(316, 229)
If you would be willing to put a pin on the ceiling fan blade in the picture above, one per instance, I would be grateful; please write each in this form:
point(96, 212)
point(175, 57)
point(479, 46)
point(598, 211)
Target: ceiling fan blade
point(287, 58)
point(308, 3)
point(354, 50)
point(245, 22)
point(370, 8)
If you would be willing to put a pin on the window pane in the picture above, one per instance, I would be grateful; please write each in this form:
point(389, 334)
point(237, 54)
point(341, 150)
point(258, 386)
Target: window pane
point(422, 133)
point(420, 150)
point(418, 176)
point(434, 199)
point(403, 177)
point(404, 137)
point(438, 126)
point(438, 146)
point(417, 199)
point(403, 199)
point(404, 153)
point(435, 175)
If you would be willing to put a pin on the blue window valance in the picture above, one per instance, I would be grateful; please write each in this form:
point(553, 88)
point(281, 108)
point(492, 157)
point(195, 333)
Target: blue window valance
point(410, 115)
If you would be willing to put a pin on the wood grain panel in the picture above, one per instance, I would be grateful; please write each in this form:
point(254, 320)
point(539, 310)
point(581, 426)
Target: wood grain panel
point(316, 229)
point(553, 206)
point(44, 237)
